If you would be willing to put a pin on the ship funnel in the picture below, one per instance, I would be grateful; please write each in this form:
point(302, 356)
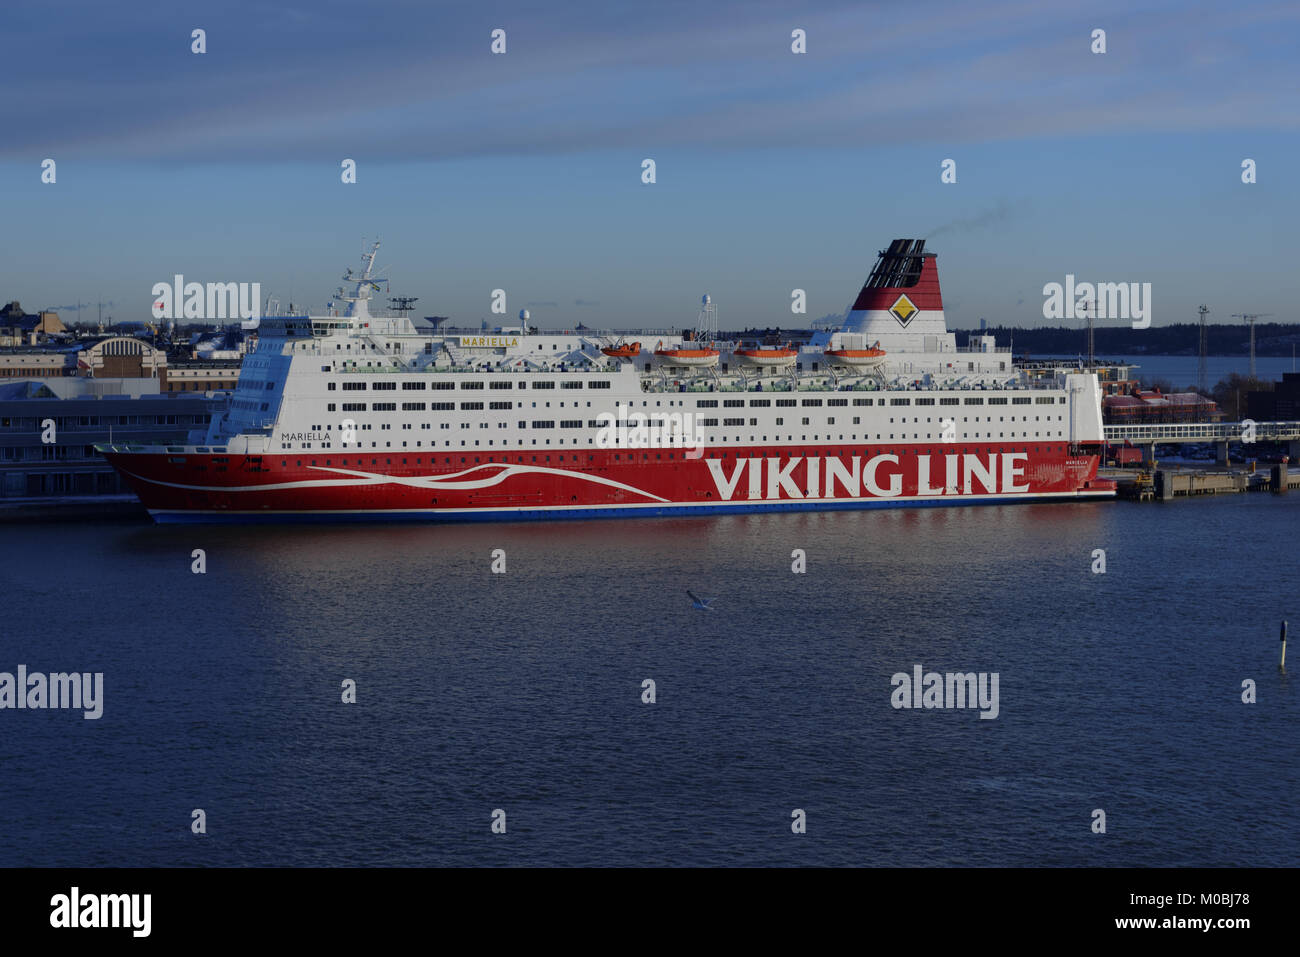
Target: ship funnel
point(900, 303)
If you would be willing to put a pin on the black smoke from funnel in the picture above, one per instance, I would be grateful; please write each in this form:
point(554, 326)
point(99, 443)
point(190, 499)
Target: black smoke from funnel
point(1003, 211)
point(85, 307)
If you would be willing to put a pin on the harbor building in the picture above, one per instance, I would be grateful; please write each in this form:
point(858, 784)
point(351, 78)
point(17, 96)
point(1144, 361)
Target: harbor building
point(1281, 404)
point(84, 411)
point(17, 328)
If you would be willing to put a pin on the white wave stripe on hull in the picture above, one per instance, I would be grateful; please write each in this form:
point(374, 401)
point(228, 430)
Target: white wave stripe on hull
point(419, 481)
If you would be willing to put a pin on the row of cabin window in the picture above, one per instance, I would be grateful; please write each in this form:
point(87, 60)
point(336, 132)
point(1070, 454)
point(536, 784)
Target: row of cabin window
point(970, 366)
point(659, 456)
point(432, 406)
point(949, 400)
point(250, 405)
point(420, 386)
point(712, 438)
point(713, 403)
point(652, 421)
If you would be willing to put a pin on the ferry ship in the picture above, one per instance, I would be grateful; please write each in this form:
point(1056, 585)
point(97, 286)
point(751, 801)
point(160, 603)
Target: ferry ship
point(367, 417)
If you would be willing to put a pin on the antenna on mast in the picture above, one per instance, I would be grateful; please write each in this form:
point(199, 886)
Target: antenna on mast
point(402, 305)
point(362, 285)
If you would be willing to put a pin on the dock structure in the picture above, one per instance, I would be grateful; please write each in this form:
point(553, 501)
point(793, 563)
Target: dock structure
point(1170, 484)
point(1219, 434)
point(1163, 485)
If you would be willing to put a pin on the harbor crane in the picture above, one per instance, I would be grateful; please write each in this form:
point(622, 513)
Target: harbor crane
point(1250, 318)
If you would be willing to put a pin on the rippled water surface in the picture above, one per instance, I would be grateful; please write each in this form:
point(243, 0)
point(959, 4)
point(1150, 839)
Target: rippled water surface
point(523, 691)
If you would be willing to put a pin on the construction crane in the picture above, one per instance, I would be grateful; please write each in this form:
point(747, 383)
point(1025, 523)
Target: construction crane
point(1202, 367)
point(1250, 318)
point(1089, 310)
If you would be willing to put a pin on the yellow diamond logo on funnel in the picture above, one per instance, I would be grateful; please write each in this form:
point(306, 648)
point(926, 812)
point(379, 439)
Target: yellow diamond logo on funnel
point(903, 310)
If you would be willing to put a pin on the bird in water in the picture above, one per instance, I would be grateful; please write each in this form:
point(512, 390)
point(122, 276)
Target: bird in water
point(704, 604)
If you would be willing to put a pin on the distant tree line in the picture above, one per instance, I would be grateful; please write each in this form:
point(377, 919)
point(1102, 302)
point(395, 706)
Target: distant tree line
point(1183, 339)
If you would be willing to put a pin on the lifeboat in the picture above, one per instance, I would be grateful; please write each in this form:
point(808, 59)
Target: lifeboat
point(624, 350)
point(767, 358)
point(857, 358)
point(691, 358)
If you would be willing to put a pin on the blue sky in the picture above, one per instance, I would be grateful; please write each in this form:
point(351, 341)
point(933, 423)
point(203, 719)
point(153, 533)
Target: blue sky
point(775, 170)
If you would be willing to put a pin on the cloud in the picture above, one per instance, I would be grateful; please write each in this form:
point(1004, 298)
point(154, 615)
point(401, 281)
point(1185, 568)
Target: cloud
point(588, 77)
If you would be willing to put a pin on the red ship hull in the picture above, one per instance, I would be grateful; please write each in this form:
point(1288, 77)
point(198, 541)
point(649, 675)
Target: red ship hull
point(461, 485)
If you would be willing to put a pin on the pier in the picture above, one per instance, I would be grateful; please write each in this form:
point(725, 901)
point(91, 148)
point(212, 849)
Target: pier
point(1165, 484)
point(1151, 483)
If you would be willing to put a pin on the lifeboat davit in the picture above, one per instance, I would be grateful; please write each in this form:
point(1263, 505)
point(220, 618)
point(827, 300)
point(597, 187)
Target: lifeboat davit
point(857, 358)
point(767, 358)
point(691, 358)
point(624, 350)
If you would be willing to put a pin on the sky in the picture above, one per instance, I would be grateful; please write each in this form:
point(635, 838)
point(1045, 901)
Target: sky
point(774, 170)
